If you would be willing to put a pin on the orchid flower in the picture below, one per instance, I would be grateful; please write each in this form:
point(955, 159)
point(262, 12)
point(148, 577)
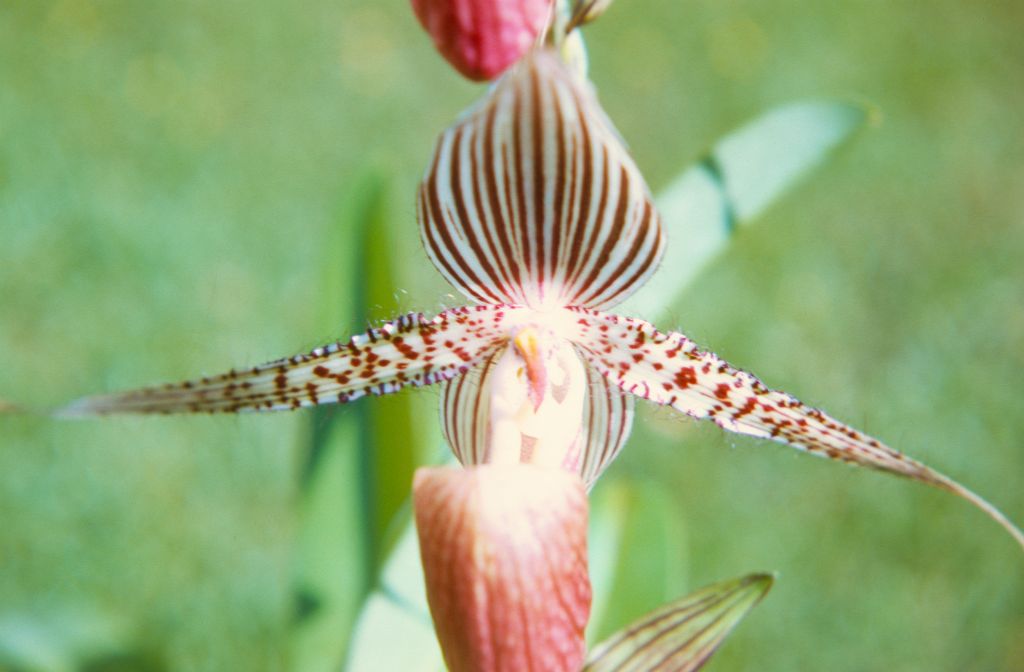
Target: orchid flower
point(534, 210)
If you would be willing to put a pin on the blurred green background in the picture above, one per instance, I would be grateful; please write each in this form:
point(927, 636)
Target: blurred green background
point(178, 186)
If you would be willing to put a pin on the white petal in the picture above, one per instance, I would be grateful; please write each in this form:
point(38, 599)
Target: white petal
point(668, 368)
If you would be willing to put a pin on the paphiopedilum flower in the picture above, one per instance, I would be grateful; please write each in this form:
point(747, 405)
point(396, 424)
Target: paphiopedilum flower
point(534, 210)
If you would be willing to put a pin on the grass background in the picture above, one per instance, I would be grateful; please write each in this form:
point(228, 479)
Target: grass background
point(170, 172)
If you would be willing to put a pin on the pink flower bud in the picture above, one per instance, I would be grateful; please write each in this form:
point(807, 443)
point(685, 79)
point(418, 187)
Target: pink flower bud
point(504, 550)
point(482, 38)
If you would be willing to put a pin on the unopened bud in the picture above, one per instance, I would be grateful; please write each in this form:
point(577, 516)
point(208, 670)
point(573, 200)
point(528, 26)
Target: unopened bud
point(482, 38)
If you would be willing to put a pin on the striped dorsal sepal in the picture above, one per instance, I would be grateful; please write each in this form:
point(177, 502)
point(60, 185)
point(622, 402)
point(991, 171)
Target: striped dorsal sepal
point(532, 199)
point(410, 351)
point(669, 369)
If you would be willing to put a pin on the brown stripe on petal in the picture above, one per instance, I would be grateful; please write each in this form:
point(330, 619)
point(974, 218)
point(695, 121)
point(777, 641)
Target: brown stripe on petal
point(491, 278)
point(638, 262)
point(534, 237)
point(499, 209)
point(585, 182)
point(481, 207)
point(589, 279)
point(562, 201)
point(522, 225)
point(593, 229)
point(557, 214)
point(444, 244)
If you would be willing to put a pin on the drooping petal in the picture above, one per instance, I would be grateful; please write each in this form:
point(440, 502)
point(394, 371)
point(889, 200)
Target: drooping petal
point(481, 38)
point(605, 424)
point(668, 368)
point(682, 635)
point(533, 200)
point(504, 552)
point(466, 411)
point(412, 350)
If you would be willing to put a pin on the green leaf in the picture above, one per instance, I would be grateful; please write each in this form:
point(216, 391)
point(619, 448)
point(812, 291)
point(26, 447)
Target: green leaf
point(395, 631)
point(337, 540)
point(398, 427)
point(333, 564)
point(736, 181)
point(66, 638)
point(637, 548)
point(682, 635)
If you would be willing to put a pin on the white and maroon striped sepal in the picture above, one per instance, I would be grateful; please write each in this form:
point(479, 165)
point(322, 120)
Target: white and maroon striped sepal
point(532, 199)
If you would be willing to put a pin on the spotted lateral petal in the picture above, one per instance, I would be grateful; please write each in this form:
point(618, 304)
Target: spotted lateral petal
point(606, 423)
point(533, 200)
point(411, 350)
point(668, 368)
point(682, 635)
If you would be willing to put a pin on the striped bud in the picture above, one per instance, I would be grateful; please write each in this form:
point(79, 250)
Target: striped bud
point(482, 38)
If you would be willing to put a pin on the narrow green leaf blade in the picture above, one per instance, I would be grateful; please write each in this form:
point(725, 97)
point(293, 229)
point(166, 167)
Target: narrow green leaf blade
point(334, 560)
point(638, 552)
point(398, 428)
point(736, 181)
point(682, 635)
point(72, 637)
point(760, 161)
point(334, 568)
point(394, 631)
